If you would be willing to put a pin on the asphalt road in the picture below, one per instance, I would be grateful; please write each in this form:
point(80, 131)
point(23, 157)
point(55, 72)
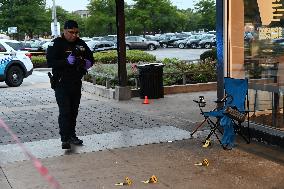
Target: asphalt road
point(182, 54)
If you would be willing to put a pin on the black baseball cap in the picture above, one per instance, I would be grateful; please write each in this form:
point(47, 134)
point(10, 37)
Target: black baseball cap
point(70, 24)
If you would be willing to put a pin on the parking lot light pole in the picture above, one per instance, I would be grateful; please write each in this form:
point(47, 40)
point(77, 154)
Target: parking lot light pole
point(54, 19)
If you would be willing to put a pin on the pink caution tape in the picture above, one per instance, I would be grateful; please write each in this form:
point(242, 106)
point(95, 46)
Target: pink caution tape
point(37, 164)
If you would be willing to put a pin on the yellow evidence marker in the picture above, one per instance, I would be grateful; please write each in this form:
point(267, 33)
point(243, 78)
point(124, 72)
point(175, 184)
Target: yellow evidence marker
point(206, 144)
point(205, 162)
point(152, 179)
point(126, 182)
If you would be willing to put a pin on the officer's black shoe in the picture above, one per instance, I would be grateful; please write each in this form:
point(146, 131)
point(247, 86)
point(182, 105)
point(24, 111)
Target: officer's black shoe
point(76, 141)
point(66, 145)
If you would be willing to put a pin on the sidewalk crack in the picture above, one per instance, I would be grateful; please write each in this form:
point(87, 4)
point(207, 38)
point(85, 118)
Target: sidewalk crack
point(6, 177)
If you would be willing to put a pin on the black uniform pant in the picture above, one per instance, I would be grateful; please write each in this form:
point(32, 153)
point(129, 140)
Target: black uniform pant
point(68, 100)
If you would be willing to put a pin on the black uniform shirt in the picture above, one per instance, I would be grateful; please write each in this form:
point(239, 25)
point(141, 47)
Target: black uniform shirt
point(57, 53)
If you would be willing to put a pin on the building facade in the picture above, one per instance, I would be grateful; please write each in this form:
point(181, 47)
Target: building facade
point(82, 13)
point(254, 49)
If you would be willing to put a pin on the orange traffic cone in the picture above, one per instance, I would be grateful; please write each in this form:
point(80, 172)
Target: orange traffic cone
point(146, 101)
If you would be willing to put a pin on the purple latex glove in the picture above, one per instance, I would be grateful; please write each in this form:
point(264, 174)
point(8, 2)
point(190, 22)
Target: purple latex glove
point(88, 64)
point(71, 59)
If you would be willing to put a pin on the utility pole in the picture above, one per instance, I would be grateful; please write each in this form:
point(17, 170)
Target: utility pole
point(121, 50)
point(54, 20)
point(122, 92)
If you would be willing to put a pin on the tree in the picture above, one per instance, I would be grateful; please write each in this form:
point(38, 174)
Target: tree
point(152, 16)
point(103, 17)
point(26, 15)
point(63, 15)
point(145, 16)
point(207, 11)
point(189, 20)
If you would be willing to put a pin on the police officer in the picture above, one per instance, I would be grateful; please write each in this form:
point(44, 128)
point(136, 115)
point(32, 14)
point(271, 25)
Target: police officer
point(70, 58)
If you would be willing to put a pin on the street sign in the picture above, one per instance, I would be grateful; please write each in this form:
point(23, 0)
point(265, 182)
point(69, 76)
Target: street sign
point(12, 30)
point(53, 32)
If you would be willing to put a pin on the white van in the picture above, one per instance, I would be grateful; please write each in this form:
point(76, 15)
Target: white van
point(15, 65)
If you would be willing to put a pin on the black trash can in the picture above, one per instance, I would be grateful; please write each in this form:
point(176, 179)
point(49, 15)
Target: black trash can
point(151, 80)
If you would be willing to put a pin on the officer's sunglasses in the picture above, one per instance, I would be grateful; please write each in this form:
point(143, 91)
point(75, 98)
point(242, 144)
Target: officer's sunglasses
point(73, 32)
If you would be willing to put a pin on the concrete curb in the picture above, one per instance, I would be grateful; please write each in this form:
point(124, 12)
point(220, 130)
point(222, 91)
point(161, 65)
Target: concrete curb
point(175, 89)
point(98, 90)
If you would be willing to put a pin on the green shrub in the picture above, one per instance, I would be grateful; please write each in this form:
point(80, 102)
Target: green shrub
point(176, 65)
point(201, 72)
point(204, 71)
point(106, 57)
point(110, 72)
point(39, 61)
point(173, 71)
point(135, 56)
point(132, 56)
point(210, 54)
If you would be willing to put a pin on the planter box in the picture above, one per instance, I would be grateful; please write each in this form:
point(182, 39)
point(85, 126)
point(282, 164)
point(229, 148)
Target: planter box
point(175, 89)
point(98, 90)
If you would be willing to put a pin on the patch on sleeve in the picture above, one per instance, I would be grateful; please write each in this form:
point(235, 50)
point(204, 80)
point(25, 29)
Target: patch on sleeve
point(51, 44)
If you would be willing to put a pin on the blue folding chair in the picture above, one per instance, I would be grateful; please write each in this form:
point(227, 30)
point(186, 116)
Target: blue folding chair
point(231, 113)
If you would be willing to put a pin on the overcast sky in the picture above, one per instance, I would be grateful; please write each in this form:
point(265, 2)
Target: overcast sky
point(72, 5)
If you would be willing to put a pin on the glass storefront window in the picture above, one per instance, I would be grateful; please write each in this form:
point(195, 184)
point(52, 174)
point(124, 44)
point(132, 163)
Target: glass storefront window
point(257, 53)
point(264, 59)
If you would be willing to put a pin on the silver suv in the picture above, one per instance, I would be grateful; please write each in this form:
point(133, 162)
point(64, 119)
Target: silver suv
point(137, 42)
point(15, 65)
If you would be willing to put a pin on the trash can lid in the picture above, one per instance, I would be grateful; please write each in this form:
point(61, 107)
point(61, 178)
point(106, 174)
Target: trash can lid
point(151, 64)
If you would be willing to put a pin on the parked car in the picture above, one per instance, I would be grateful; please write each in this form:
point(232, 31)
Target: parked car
point(272, 47)
point(86, 39)
point(97, 38)
point(278, 45)
point(193, 41)
point(151, 37)
point(45, 45)
point(165, 36)
point(137, 42)
point(212, 32)
point(207, 42)
point(97, 46)
point(170, 42)
point(112, 38)
point(15, 65)
point(32, 46)
point(181, 43)
point(182, 35)
point(26, 45)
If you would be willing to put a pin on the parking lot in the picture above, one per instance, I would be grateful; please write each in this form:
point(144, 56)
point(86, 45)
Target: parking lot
point(174, 52)
point(182, 54)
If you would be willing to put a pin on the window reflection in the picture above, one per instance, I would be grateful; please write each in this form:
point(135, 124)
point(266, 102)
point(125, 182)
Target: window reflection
point(264, 59)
